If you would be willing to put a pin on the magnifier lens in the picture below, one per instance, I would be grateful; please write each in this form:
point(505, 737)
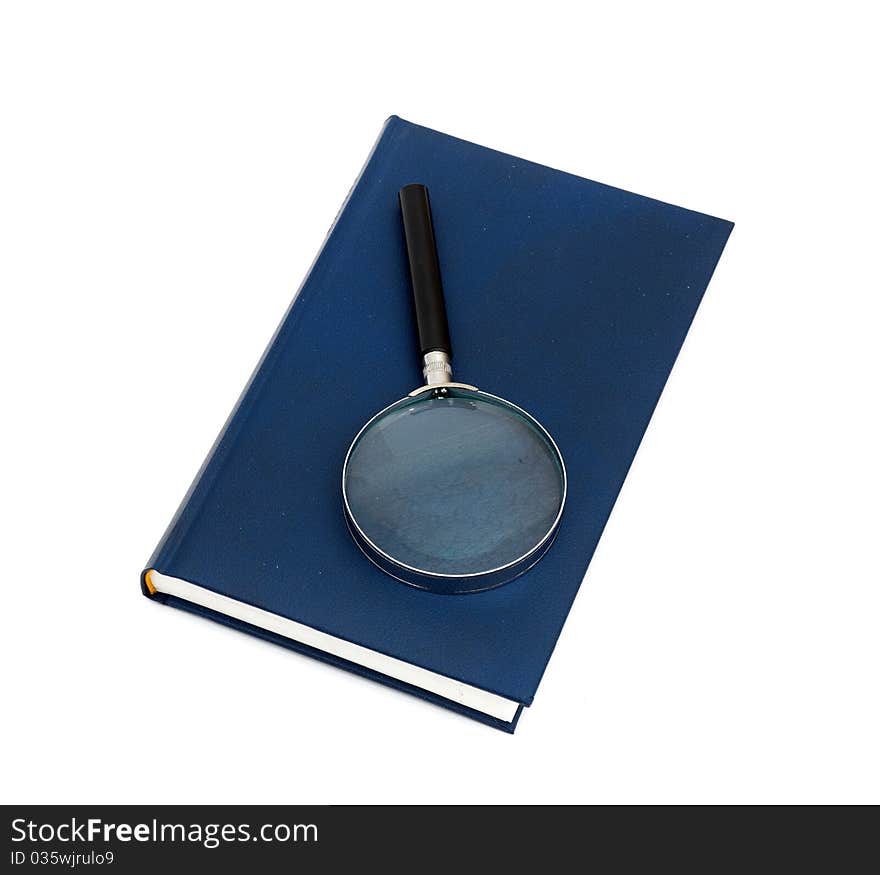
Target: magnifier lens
point(454, 483)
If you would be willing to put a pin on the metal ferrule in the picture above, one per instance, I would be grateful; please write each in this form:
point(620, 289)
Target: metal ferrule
point(436, 368)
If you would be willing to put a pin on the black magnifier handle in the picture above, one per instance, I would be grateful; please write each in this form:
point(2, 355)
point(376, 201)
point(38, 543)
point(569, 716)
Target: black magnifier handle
point(424, 270)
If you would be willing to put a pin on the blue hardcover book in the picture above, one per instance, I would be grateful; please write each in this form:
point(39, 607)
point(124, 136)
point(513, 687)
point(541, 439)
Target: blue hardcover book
point(569, 297)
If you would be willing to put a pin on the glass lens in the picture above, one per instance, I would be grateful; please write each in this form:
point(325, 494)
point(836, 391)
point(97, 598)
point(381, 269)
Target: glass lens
point(454, 485)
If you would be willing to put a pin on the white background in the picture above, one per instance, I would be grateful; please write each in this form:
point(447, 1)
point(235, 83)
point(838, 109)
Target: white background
point(167, 174)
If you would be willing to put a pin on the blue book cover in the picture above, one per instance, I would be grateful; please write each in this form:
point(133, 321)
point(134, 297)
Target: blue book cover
point(569, 297)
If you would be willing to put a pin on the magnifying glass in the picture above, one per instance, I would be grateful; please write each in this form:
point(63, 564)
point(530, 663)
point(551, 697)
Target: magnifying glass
point(450, 489)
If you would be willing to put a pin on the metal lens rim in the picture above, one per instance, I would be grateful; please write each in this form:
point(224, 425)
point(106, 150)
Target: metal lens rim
point(474, 581)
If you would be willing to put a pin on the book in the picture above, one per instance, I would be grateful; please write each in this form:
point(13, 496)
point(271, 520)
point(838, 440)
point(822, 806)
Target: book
point(567, 296)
